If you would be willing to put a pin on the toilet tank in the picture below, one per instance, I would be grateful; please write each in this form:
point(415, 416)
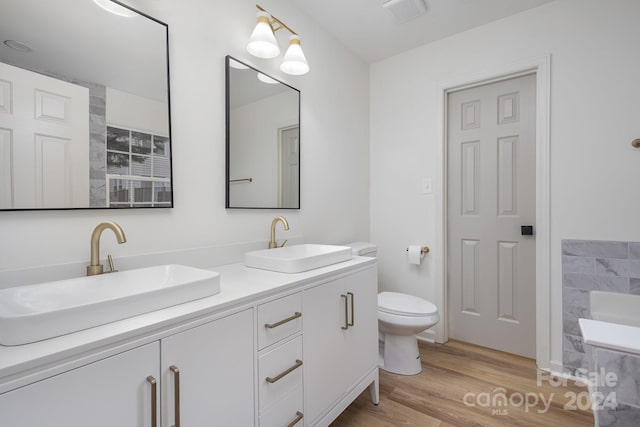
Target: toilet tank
point(363, 249)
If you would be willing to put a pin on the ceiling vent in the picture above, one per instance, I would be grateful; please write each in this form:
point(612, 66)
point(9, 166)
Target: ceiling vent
point(405, 10)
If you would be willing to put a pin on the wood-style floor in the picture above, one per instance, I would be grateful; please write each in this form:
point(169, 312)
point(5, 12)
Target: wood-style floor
point(455, 373)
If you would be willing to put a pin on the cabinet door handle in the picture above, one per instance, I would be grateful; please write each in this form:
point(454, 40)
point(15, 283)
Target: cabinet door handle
point(283, 373)
point(298, 418)
point(353, 316)
point(346, 312)
point(282, 322)
point(176, 399)
point(154, 408)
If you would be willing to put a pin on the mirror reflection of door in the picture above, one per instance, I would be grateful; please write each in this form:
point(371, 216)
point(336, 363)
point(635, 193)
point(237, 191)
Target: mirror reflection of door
point(289, 166)
point(44, 147)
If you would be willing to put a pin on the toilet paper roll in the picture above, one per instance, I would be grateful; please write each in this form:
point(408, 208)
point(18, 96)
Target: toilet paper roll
point(414, 254)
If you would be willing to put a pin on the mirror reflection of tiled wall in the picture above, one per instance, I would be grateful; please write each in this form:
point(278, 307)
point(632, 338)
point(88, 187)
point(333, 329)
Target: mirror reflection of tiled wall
point(589, 265)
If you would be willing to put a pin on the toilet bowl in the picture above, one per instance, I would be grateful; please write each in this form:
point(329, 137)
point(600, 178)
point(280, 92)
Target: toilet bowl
point(401, 318)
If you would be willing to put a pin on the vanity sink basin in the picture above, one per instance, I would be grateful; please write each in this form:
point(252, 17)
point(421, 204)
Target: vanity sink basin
point(45, 310)
point(298, 258)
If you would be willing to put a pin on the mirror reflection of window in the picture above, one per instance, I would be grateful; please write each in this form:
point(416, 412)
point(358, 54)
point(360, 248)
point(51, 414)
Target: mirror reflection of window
point(138, 169)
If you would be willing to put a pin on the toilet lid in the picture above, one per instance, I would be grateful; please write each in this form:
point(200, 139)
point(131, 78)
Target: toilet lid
point(405, 305)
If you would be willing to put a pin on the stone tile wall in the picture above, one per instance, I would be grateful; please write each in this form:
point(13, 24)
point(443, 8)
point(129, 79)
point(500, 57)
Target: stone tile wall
point(607, 266)
point(97, 145)
point(620, 399)
point(592, 265)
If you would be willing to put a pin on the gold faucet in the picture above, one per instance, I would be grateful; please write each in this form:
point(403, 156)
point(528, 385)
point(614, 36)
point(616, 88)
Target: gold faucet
point(96, 267)
point(272, 242)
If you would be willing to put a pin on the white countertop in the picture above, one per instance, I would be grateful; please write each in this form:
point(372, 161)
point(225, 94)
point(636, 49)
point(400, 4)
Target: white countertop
point(613, 336)
point(239, 286)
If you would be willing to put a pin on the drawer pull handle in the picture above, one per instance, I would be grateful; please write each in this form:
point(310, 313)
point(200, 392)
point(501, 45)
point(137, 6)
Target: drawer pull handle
point(298, 418)
point(154, 408)
point(282, 322)
point(346, 312)
point(288, 371)
point(353, 316)
point(176, 399)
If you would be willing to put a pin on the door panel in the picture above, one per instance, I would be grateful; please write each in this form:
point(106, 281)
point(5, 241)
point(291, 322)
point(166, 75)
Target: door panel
point(47, 123)
point(491, 193)
point(215, 366)
point(110, 392)
point(349, 331)
point(290, 168)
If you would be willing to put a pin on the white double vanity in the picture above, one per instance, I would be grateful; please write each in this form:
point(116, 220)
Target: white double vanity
point(268, 349)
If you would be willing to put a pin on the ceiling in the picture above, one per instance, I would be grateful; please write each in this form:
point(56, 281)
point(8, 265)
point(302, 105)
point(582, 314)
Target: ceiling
point(78, 41)
point(372, 33)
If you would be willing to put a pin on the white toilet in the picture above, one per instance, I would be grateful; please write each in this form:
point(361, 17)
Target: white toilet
point(400, 318)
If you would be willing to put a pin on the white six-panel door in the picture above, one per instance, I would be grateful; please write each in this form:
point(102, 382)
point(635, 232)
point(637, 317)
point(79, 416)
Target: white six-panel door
point(289, 167)
point(491, 194)
point(44, 141)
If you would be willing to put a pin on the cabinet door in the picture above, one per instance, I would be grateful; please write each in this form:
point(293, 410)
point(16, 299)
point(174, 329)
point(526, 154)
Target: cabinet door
point(361, 352)
point(215, 364)
point(111, 392)
point(336, 358)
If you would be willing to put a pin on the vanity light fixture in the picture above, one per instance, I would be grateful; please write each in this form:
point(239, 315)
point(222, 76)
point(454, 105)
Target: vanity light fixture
point(263, 44)
point(115, 8)
point(294, 61)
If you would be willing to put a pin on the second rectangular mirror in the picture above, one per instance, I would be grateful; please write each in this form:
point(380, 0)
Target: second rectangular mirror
point(263, 140)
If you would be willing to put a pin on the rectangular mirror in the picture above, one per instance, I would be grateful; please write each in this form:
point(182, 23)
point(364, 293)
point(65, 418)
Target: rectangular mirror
point(84, 106)
point(263, 140)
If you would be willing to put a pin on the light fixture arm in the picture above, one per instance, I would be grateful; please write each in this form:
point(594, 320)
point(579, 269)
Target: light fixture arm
point(276, 20)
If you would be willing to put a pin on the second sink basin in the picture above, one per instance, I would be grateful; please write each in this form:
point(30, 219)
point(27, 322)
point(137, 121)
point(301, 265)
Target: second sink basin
point(297, 258)
point(45, 310)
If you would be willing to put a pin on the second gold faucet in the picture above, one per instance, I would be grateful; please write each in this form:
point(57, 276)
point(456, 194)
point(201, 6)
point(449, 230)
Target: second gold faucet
point(272, 241)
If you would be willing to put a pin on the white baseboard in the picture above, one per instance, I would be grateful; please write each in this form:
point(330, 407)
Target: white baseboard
point(556, 368)
point(427, 336)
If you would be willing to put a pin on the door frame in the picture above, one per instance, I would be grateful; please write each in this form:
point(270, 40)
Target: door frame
point(541, 68)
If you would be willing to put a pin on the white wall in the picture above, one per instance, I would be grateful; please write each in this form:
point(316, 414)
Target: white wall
point(595, 87)
point(334, 147)
point(136, 112)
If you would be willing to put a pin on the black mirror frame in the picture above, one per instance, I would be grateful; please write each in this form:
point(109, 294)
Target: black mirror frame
point(166, 32)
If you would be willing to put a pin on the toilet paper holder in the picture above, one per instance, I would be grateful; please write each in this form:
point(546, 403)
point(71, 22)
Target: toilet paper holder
point(424, 250)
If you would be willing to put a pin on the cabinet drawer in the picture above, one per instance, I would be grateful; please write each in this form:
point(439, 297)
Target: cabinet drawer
point(279, 372)
point(279, 319)
point(285, 411)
